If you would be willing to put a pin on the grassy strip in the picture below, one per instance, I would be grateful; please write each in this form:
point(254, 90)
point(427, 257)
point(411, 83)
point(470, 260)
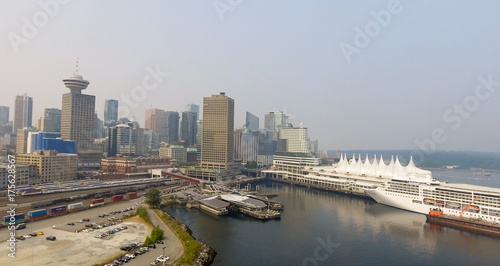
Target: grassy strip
point(143, 213)
point(191, 246)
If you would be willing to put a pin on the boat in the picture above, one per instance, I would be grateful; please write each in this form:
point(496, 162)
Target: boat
point(421, 193)
point(483, 173)
point(407, 187)
point(436, 217)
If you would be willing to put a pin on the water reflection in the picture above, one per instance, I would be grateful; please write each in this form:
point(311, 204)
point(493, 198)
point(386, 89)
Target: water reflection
point(366, 233)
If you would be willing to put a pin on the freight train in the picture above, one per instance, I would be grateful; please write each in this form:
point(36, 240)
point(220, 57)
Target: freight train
point(62, 209)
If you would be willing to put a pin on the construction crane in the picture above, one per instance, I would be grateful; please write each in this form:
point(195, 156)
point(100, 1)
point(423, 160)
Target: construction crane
point(468, 206)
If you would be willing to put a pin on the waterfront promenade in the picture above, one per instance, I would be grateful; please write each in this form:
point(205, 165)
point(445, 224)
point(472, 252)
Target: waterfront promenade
point(174, 248)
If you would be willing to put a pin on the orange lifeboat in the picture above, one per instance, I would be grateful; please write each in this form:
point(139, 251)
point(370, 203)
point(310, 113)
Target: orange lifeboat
point(436, 212)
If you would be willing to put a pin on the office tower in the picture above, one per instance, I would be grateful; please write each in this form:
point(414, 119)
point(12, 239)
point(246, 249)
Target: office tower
point(22, 139)
point(217, 148)
point(199, 138)
point(293, 140)
point(267, 147)
point(194, 108)
point(170, 127)
point(252, 122)
point(153, 120)
point(188, 128)
point(77, 115)
point(98, 128)
point(23, 112)
point(246, 145)
point(4, 115)
point(126, 140)
point(110, 111)
point(51, 120)
point(314, 145)
point(274, 121)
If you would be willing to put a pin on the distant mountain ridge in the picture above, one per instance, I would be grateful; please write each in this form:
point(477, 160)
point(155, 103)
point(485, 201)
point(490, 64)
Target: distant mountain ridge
point(436, 159)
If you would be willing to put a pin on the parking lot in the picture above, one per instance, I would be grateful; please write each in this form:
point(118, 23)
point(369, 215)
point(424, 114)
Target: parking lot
point(81, 248)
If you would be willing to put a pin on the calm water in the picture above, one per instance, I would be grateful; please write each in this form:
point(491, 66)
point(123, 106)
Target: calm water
point(321, 228)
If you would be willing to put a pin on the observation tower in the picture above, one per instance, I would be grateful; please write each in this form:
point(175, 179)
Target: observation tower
point(76, 83)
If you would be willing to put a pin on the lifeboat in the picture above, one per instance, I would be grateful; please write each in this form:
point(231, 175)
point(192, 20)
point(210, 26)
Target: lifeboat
point(436, 212)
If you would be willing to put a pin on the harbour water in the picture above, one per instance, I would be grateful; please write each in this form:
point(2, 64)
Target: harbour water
point(322, 228)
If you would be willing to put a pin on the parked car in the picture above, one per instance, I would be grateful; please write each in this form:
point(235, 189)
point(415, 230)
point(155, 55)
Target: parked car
point(71, 224)
point(159, 242)
point(51, 238)
point(86, 220)
point(162, 258)
point(40, 233)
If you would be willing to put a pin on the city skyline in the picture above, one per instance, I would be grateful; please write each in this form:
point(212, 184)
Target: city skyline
point(356, 77)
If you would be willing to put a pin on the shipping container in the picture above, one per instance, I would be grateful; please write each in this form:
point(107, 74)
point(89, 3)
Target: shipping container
point(43, 203)
point(57, 210)
point(75, 206)
point(18, 218)
point(37, 213)
point(116, 198)
point(94, 201)
point(132, 195)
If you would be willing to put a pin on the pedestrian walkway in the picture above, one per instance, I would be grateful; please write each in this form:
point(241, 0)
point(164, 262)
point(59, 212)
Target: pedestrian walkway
point(174, 248)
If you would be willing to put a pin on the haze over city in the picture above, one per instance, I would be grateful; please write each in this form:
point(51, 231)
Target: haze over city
point(371, 75)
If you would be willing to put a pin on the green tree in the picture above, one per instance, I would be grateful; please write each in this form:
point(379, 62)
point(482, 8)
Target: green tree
point(153, 198)
point(251, 165)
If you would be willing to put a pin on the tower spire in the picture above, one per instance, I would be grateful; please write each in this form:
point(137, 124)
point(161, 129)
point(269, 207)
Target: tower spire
point(76, 73)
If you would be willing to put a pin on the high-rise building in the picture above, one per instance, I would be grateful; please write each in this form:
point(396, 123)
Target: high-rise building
point(188, 128)
point(293, 140)
point(170, 127)
point(51, 120)
point(23, 112)
point(199, 138)
point(274, 121)
point(153, 120)
point(246, 145)
point(22, 139)
point(252, 122)
point(194, 108)
point(110, 111)
point(98, 128)
point(127, 140)
point(4, 115)
point(77, 115)
point(217, 149)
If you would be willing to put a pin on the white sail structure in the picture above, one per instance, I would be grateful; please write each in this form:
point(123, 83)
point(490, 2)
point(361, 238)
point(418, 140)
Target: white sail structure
point(378, 168)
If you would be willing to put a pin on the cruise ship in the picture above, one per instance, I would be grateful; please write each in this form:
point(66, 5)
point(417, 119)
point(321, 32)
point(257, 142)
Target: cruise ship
point(405, 187)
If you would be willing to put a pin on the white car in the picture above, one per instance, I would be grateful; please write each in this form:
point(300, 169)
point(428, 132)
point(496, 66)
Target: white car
point(161, 258)
point(130, 256)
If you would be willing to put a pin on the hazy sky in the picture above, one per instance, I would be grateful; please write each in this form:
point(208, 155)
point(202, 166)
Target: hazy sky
point(357, 78)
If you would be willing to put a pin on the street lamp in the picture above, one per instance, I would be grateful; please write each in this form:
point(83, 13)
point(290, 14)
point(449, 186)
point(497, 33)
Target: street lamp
point(164, 255)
